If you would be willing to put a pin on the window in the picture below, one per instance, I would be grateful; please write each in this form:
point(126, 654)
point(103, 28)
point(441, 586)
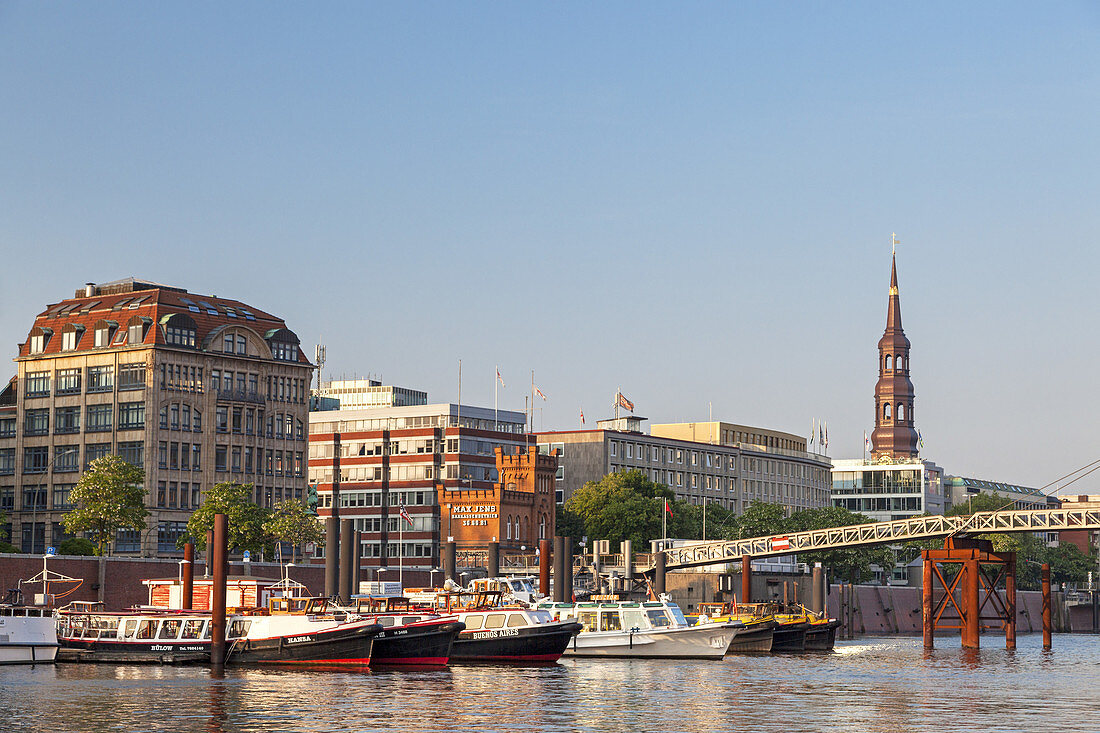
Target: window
point(886, 411)
point(66, 420)
point(34, 497)
point(68, 381)
point(889, 364)
point(179, 330)
point(133, 452)
point(66, 458)
point(36, 422)
point(7, 461)
point(196, 457)
point(131, 376)
point(222, 419)
point(70, 336)
point(128, 540)
point(99, 418)
point(135, 328)
point(7, 427)
point(62, 496)
point(101, 379)
point(104, 330)
point(196, 421)
point(131, 415)
point(93, 451)
point(36, 384)
point(901, 412)
point(227, 343)
point(220, 452)
point(36, 459)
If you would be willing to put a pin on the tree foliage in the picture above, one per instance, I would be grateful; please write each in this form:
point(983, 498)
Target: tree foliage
point(292, 521)
point(246, 519)
point(76, 546)
point(109, 496)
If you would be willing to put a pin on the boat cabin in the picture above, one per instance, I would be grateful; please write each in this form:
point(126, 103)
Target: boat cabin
point(618, 616)
point(138, 628)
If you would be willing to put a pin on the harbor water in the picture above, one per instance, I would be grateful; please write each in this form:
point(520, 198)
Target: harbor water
point(863, 685)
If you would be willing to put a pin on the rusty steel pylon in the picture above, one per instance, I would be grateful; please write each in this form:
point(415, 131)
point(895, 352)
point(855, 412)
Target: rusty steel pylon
point(972, 599)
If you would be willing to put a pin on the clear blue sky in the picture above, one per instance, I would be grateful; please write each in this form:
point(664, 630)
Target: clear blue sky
point(692, 202)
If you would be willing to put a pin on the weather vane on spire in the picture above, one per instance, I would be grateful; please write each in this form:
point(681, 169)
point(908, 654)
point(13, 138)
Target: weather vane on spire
point(894, 242)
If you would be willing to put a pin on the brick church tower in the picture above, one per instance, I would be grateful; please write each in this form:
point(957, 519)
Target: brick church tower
point(894, 436)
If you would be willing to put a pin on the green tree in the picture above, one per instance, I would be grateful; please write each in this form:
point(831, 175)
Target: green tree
point(76, 546)
point(627, 506)
point(760, 519)
point(246, 519)
point(1068, 564)
point(109, 496)
point(292, 521)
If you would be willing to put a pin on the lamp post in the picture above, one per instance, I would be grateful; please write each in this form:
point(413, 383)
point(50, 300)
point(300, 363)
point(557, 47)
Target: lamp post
point(431, 576)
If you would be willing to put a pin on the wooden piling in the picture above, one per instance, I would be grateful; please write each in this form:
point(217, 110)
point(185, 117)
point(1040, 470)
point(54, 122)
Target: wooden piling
point(1046, 606)
point(544, 568)
point(746, 579)
point(219, 559)
point(926, 600)
point(187, 599)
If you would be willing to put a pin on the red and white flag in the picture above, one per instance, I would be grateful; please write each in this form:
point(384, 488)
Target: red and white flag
point(781, 543)
point(539, 393)
point(625, 403)
point(582, 417)
point(500, 378)
point(405, 516)
point(668, 508)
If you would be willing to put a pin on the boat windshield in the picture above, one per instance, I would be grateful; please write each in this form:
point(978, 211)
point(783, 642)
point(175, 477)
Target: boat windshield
point(657, 618)
point(540, 617)
point(521, 585)
point(677, 615)
point(517, 619)
point(494, 621)
point(238, 628)
point(634, 618)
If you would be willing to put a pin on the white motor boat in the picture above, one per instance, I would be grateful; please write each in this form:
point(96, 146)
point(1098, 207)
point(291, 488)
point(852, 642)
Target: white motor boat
point(649, 629)
point(28, 635)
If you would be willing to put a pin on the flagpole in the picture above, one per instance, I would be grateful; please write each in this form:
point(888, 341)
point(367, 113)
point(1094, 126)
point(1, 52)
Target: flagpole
point(496, 420)
point(532, 416)
point(664, 524)
point(401, 551)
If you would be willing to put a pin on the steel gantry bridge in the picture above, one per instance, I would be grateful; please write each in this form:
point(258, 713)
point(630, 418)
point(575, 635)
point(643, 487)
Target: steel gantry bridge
point(878, 533)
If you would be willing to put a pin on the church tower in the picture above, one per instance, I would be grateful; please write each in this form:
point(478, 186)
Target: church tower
point(894, 436)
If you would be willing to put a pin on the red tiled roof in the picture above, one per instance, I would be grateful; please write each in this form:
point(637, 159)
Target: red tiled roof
point(155, 304)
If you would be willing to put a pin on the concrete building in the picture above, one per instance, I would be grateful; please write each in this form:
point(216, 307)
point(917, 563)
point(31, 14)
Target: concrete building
point(390, 457)
point(195, 390)
point(959, 489)
point(360, 394)
point(700, 471)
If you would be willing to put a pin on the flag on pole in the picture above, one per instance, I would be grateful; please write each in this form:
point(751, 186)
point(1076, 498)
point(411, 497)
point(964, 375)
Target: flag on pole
point(500, 378)
point(405, 515)
point(582, 417)
point(820, 435)
point(540, 394)
point(625, 403)
point(826, 443)
point(668, 508)
point(920, 440)
point(813, 430)
point(866, 441)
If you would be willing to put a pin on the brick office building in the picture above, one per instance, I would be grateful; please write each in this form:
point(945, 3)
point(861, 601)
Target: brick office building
point(195, 390)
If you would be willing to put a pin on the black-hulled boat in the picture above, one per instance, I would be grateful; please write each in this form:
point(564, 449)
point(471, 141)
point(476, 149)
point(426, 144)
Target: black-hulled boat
point(821, 636)
point(512, 635)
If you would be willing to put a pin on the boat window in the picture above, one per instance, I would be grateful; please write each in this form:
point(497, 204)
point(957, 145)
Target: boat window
point(677, 615)
point(207, 630)
point(588, 620)
point(494, 621)
point(385, 620)
point(540, 617)
point(192, 628)
point(516, 619)
point(238, 628)
point(169, 629)
point(131, 627)
point(147, 629)
point(107, 626)
point(634, 618)
point(473, 622)
point(657, 618)
point(610, 621)
point(410, 619)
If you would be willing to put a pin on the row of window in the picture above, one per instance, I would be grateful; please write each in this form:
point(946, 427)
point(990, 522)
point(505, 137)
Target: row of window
point(181, 378)
point(99, 418)
point(374, 498)
point(66, 458)
point(106, 333)
point(248, 421)
point(99, 379)
point(178, 495)
point(886, 412)
point(245, 459)
point(416, 421)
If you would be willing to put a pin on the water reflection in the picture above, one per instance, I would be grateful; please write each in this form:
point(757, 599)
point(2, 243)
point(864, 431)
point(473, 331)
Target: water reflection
point(880, 685)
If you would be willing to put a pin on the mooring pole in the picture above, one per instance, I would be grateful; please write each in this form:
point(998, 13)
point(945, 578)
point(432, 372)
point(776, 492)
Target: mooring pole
point(926, 601)
point(450, 561)
point(188, 595)
point(659, 574)
point(544, 568)
point(1010, 601)
point(559, 569)
point(746, 579)
point(818, 595)
point(971, 631)
point(493, 564)
point(1046, 606)
point(218, 555)
point(209, 569)
point(347, 559)
point(567, 567)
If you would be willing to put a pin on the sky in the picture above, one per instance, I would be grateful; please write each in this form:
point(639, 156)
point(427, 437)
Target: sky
point(690, 202)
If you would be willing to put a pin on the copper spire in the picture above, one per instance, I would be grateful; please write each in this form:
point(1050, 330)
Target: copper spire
point(895, 434)
point(893, 313)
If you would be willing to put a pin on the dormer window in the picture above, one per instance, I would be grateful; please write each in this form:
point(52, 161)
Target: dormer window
point(104, 331)
point(70, 336)
point(283, 344)
point(136, 328)
point(39, 339)
point(179, 330)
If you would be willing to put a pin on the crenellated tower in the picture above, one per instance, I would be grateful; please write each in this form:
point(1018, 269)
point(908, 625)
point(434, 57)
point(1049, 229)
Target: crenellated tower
point(894, 436)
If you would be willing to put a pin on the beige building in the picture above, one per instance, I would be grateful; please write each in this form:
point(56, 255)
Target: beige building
point(195, 390)
point(724, 433)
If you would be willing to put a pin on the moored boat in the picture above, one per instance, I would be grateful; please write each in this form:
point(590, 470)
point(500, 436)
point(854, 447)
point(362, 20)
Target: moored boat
point(410, 637)
point(756, 637)
point(652, 629)
point(28, 635)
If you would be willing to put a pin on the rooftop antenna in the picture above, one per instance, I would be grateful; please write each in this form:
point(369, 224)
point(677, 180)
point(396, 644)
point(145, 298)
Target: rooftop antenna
point(319, 360)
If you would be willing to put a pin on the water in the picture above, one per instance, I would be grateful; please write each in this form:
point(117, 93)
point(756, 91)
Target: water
point(867, 685)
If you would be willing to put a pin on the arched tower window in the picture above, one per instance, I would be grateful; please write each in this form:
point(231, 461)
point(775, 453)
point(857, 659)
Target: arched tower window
point(889, 362)
point(901, 412)
point(886, 411)
point(901, 362)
